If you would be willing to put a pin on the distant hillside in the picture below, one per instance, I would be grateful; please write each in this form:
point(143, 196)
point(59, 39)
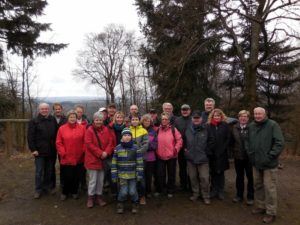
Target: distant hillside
point(69, 99)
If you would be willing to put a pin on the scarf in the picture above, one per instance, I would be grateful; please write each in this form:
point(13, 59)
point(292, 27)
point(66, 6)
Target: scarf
point(118, 127)
point(214, 122)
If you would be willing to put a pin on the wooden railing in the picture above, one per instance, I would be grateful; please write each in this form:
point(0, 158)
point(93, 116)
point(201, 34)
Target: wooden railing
point(15, 133)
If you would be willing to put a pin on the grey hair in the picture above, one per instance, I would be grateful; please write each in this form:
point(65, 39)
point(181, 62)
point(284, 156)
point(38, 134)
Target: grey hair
point(146, 117)
point(260, 109)
point(210, 100)
point(98, 115)
point(44, 104)
point(71, 112)
point(167, 103)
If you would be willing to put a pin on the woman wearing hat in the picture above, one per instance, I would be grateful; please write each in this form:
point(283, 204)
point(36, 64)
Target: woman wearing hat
point(70, 147)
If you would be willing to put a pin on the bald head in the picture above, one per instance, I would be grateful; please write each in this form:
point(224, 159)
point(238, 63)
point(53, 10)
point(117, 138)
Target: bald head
point(259, 114)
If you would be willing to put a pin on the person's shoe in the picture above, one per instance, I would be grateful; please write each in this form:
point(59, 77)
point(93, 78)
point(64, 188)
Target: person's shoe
point(90, 201)
point(194, 198)
point(135, 208)
point(258, 211)
point(250, 202)
point(143, 200)
point(221, 196)
point(237, 199)
point(206, 201)
point(120, 208)
point(169, 196)
point(268, 219)
point(99, 201)
point(63, 197)
point(156, 194)
point(37, 195)
point(75, 196)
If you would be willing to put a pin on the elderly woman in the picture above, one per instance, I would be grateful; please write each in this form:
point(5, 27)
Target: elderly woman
point(70, 147)
point(99, 145)
point(169, 143)
point(219, 131)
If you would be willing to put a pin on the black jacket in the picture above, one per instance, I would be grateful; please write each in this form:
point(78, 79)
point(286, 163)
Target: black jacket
point(238, 139)
point(182, 123)
point(41, 135)
point(219, 156)
point(197, 140)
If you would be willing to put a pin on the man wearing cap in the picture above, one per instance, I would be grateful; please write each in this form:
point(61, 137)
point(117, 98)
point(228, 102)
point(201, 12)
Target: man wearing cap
point(209, 105)
point(196, 153)
point(182, 123)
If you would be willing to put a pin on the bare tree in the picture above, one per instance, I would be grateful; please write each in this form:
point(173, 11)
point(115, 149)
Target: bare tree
point(103, 58)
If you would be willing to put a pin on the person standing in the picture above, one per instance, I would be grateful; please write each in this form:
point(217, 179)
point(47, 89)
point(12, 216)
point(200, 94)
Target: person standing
point(265, 144)
point(196, 153)
point(167, 107)
point(70, 147)
point(182, 123)
point(219, 130)
point(111, 110)
point(209, 105)
point(242, 163)
point(41, 142)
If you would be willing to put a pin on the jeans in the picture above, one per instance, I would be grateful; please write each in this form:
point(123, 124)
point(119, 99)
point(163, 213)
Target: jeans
point(43, 171)
point(127, 187)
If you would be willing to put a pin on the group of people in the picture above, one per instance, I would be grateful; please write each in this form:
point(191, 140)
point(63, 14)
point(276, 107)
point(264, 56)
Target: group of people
point(134, 153)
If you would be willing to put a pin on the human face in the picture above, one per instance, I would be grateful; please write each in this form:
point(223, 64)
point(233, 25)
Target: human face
point(217, 117)
point(98, 122)
point(72, 119)
point(165, 121)
point(135, 121)
point(168, 108)
point(146, 123)
point(153, 115)
point(259, 114)
point(44, 110)
point(79, 112)
point(126, 138)
point(243, 119)
point(185, 112)
point(111, 111)
point(57, 111)
point(119, 119)
point(196, 120)
point(209, 106)
point(134, 109)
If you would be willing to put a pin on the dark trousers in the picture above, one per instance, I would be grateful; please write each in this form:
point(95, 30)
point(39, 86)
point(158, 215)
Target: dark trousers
point(166, 167)
point(217, 183)
point(53, 174)
point(70, 175)
point(82, 177)
point(243, 167)
point(43, 171)
point(150, 172)
point(183, 175)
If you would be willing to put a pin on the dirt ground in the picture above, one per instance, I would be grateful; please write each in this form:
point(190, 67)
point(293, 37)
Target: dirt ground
point(17, 206)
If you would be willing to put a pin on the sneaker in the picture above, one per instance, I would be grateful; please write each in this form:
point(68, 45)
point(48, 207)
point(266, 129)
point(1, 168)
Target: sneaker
point(268, 219)
point(75, 196)
point(169, 196)
point(194, 198)
point(134, 209)
point(258, 211)
point(143, 200)
point(237, 199)
point(250, 202)
point(206, 201)
point(63, 197)
point(120, 208)
point(37, 195)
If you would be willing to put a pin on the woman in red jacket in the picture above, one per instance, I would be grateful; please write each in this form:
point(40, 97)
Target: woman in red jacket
point(99, 145)
point(69, 144)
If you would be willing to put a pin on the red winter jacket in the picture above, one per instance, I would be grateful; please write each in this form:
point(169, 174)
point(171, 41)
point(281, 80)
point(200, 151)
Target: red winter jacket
point(70, 144)
point(93, 152)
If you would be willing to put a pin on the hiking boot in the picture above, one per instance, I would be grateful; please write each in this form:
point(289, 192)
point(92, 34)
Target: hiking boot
point(206, 201)
point(99, 201)
point(194, 198)
point(37, 195)
point(135, 208)
point(268, 219)
point(237, 199)
point(250, 202)
point(258, 211)
point(120, 208)
point(63, 197)
point(90, 201)
point(143, 200)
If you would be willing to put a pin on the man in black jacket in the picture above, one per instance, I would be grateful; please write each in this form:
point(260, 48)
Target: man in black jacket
point(41, 142)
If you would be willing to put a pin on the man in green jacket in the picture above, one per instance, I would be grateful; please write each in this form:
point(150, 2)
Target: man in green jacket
point(266, 142)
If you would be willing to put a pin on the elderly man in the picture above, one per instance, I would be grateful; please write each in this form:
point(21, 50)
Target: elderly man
point(168, 108)
point(209, 105)
point(266, 142)
point(41, 142)
point(134, 110)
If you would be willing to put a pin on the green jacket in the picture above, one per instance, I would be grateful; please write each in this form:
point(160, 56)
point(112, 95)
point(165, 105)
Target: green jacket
point(265, 144)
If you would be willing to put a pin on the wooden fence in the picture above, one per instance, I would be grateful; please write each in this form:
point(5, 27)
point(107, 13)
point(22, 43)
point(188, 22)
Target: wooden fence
point(14, 134)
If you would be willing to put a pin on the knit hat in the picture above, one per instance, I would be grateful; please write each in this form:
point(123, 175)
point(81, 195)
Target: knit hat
point(126, 131)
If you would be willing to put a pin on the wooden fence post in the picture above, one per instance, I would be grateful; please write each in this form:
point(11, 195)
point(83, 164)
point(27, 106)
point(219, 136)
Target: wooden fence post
point(8, 136)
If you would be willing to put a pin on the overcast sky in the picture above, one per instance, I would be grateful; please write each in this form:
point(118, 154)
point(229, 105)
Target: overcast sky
point(71, 20)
